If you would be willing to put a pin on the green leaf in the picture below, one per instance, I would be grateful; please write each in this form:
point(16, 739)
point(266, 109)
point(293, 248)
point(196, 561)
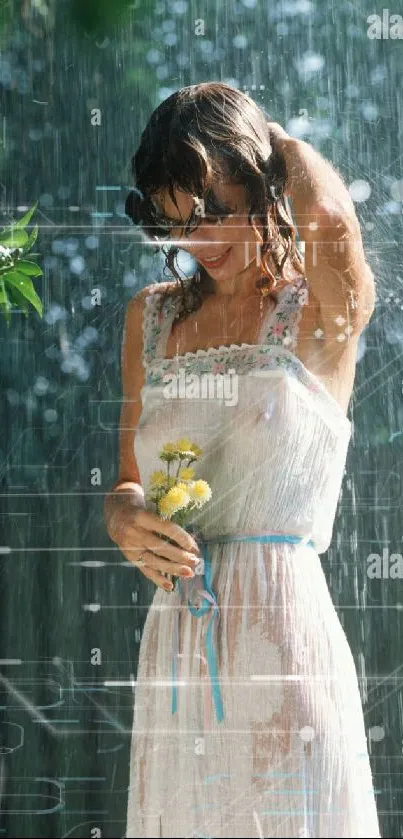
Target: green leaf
point(18, 299)
point(22, 222)
point(29, 268)
point(31, 240)
point(12, 238)
point(25, 286)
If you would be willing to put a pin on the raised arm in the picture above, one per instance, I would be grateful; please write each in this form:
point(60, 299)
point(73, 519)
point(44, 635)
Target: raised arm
point(337, 271)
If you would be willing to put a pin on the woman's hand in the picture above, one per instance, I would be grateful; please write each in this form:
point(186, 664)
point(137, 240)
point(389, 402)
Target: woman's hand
point(277, 132)
point(134, 533)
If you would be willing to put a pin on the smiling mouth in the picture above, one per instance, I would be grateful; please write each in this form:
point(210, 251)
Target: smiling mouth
point(215, 261)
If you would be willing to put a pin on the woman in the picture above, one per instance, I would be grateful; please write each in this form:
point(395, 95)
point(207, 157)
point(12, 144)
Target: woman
point(273, 742)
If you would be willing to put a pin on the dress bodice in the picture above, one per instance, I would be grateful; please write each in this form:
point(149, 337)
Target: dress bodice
point(274, 440)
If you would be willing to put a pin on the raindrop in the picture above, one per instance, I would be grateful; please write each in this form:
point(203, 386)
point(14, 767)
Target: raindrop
point(359, 190)
point(369, 111)
point(50, 415)
point(179, 7)
point(129, 279)
point(54, 314)
point(170, 39)
point(311, 62)
point(240, 41)
point(153, 56)
point(168, 25)
point(77, 265)
point(91, 242)
point(34, 133)
point(41, 386)
point(206, 47)
point(46, 200)
point(71, 247)
point(377, 733)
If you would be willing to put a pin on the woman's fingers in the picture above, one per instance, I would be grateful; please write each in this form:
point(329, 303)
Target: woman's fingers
point(155, 567)
point(166, 566)
point(277, 131)
point(151, 522)
point(148, 570)
point(139, 539)
point(157, 578)
point(168, 552)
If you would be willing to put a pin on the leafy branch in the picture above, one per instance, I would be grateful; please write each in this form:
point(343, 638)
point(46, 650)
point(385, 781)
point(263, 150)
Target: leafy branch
point(16, 286)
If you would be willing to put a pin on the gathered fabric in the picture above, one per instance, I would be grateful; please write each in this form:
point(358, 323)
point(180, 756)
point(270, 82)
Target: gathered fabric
point(201, 584)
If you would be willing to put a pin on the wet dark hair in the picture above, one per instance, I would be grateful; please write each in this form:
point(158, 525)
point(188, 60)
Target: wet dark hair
point(198, 135)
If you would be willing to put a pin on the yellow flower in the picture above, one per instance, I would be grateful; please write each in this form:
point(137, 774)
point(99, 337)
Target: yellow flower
point(175, 499)
point(178, 495)
point(158, 479)
point(183, 445)
point(186, 473)
point(197, 451)
point(169, 448)
point(199, 492)
point(184, 487)
point(169, 452)
point(165, 507)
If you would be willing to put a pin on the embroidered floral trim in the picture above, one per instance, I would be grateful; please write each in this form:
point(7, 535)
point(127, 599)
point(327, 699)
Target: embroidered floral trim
point(273, 352)
point(283, 332)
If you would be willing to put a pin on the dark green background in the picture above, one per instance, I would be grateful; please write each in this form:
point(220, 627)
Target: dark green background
point(64, 749)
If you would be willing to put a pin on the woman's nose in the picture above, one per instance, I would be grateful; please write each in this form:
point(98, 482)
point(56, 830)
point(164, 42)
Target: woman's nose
point(203, 234)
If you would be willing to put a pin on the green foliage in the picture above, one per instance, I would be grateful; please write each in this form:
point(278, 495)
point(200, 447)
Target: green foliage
point(98, 15)
point(16, 286)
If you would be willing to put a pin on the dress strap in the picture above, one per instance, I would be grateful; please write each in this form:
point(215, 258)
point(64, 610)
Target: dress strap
point(282, 325)
point(158, 314)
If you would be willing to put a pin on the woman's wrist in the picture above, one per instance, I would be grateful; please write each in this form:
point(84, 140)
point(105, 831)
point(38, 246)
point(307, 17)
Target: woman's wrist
point(121, 496)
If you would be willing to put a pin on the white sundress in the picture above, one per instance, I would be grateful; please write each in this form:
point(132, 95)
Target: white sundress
point(289, 758)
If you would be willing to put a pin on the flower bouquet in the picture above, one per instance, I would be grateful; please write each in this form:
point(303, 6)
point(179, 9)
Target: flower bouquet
point(175, 492)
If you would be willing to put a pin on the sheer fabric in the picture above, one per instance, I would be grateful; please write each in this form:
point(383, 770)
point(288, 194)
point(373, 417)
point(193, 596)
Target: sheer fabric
point(290, 758)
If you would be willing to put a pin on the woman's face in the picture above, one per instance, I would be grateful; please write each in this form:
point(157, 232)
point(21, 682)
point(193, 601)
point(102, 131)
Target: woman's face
point(225, 248)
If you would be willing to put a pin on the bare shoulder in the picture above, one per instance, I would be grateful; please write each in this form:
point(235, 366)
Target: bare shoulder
point(161, 289)
point(135, 306)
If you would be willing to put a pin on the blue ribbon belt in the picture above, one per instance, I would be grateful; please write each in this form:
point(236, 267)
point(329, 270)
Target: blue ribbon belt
point(202, 583)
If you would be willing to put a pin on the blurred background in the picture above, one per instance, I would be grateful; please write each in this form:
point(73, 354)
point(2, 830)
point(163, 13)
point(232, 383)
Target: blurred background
point(78, 81)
